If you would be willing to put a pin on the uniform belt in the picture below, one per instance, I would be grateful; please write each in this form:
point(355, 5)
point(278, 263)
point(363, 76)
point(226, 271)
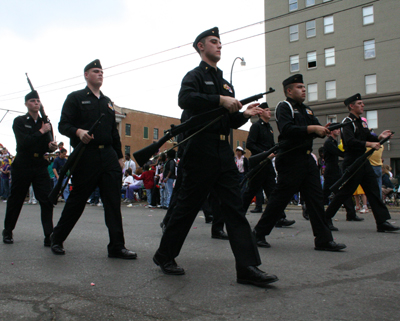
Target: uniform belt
point(97, 146)
point(26, 155)
point(214, 136)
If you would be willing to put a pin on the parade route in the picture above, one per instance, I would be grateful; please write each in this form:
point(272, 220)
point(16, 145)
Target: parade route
point(360, 283)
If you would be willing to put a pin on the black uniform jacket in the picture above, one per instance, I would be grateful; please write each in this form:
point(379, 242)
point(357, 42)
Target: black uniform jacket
point(292, 124)
point(354, 138)
point(81, 109)
point(31, 143)
point(199, 93)
point(261, 137)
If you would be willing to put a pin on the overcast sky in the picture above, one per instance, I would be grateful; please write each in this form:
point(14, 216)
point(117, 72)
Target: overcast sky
point(53, 40)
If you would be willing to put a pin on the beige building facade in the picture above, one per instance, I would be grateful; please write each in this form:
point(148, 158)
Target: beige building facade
point(341, 48)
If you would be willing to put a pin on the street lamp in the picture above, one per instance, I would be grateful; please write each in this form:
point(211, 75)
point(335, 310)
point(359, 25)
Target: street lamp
point(242, 63)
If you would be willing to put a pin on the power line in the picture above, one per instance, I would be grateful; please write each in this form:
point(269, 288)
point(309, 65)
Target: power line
point(190, 43)
point(177, 47)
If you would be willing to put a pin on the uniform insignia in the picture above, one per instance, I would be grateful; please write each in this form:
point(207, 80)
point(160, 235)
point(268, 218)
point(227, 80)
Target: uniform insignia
point(309, 111)
point(226, 87)
point(28, 126)
point(364, 124)
point(110, 105)
point(272, 131)
point(209, 82)
point(86, 102)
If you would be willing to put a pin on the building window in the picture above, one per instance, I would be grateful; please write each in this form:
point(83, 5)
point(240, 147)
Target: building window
point(328, 24)
point(127, 129)
point(330, 87)
point(294, 63)
point(310, 29)
point(146, 132)
point(312, 92)
point(331, 119)
point(369, 49)
point(237, 143)
point(368, 15)
point(155, 133)
point(310, 3)
point(329, 56)
point(370, 84)
point(244, 145)
point(292, 5)
point(311, 59)
point(128, 150)
point(372, 118)
point(294, 33)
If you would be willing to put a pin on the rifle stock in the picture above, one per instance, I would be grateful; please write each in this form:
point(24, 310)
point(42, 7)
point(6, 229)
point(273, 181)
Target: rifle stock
point(71, 163)
point(351, 170)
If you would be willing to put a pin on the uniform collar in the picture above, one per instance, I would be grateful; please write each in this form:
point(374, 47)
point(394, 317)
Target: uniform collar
point(27, 116)
point(294, 102)
point(208, 68)
point(88, 92)
point(263, 122)
point(353, 117)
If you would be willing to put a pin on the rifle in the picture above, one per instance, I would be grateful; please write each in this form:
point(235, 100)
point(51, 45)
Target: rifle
point(260, 160)
point(144, 154)
point(46, 119)
point(354, 168)
point(70, 166)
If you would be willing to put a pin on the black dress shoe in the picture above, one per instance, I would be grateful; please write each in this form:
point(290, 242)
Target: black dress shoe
point(209, 219)
point(305, 214)
point(260, 240)
point(163, 227)
point(256, 210)
point(330, 246)
point(253, 275)
point(283, 222)
point(123, 254)
point(168, 267)
point(220, 235)
point(355, 218)
point(56, 248)
point(383, 227)
point(7, 237)
point(47, 241)
point(331, 226)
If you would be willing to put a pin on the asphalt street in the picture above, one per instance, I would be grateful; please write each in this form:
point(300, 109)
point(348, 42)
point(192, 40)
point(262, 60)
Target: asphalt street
point(360, 283)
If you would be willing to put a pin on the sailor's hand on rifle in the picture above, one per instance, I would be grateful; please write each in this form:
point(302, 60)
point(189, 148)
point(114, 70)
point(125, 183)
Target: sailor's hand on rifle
point(320, 131)
point(271, 156)
point(232, 104)
point(385, 134)
point(84, 136)
point(45, 128)
point(53, 146)
point(252, 110)
point(373, 145)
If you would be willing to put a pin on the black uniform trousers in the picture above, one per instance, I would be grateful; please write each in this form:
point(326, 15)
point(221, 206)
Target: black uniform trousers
point(365, 177)
point(298, 172)
point(210, 207)
point(265, 179)
point(22, 178)
point(97, 167)
point(331, 176)
point(209, 164)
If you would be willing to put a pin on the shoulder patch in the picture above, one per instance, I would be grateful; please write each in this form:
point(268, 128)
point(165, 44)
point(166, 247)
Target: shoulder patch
point(309, 111)
point(226, 87)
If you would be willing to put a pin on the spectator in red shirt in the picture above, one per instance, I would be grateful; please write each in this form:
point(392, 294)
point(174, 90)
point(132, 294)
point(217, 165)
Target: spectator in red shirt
point(148, 180)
